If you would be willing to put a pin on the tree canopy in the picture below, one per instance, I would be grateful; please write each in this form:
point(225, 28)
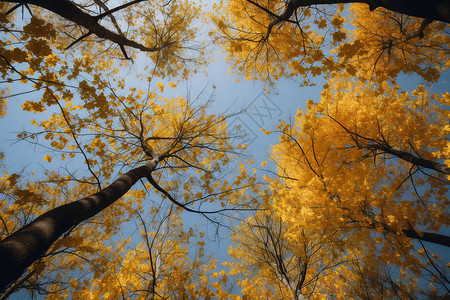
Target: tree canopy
point(350, 203)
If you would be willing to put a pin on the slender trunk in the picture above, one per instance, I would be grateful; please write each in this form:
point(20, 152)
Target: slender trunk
point(19, 250)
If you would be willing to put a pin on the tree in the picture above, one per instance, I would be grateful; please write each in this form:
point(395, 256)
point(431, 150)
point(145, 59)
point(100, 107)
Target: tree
point(363, 122)
point(373, 164)
point(361, 280)
point(89, 119)
point(269, 40)
point(158, 136)
point(162, 265)
point(268, 264)
point(368, 160)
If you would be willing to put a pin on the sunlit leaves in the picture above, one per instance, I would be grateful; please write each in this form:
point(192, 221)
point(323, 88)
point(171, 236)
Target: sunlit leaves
point(127, 129)
point(33, 51)
point(260, 47)
point(342, 171)
point(385, 44)
point(272, 40)
point(268, 264)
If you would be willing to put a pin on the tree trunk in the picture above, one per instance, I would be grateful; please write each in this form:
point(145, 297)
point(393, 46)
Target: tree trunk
point(19, 250)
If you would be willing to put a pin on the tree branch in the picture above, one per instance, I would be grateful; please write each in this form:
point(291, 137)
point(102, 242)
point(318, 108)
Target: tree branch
point(438, 10)
point(68, 10)
point(418, 161)
point(436, 238)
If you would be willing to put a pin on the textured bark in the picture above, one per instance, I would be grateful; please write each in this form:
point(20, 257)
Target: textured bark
point(19, 250)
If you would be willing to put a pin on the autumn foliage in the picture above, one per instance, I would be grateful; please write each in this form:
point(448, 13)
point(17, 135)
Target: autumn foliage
point(353, 203)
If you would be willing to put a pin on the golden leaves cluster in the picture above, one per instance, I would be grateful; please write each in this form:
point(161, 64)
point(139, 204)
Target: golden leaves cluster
point(342, 173)
point(262, 42)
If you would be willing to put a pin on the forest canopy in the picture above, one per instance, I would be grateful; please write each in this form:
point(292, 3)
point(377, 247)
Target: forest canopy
point(129, 180)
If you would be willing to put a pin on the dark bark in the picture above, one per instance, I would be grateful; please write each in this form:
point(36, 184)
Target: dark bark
point(438, 10)
point(415, 160)
point(436, 238)
point(19, 250)
point(68, 10)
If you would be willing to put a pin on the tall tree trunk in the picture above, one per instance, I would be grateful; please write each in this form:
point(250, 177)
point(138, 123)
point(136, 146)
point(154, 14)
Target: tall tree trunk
point(19, 250)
